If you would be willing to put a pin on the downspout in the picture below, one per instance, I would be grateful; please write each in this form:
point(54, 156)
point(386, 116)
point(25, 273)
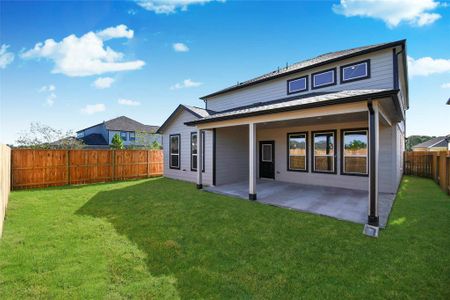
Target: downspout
point(373, 180)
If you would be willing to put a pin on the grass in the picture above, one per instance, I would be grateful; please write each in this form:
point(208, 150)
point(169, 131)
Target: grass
point(161, 238)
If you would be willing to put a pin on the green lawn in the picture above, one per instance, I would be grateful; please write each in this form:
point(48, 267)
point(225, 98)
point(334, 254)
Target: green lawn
point(161, 238)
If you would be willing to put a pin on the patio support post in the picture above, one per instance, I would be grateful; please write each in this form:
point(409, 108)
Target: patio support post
point(199, 158)
point(373, 163)
point(252, 161)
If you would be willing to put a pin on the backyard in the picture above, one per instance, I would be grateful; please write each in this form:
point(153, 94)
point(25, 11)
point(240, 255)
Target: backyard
point(161, 238)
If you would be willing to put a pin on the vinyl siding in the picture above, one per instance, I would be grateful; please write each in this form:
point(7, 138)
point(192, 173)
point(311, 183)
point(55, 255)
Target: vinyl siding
point(184, 173)
point(148, 139)
point(381, 78)
point(232, 154)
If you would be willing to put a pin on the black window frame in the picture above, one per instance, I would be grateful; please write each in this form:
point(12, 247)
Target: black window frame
point(126, 136)
point(341, 72)
point(313, 87)
point(300, 91)
point(335, 156)
point(203, 150)
point(342, 152)
point(179, 151)
point(132, 138)
point(306, 151)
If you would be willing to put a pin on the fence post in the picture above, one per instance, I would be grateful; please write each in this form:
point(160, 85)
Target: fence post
point(68, 166)
point(113, 162)
point(148, 163)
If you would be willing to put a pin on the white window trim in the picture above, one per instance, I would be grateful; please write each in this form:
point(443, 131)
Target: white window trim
point(178, 137)
point(271, 153)
point(344, 156)
point(293, 155)
point(326, 155)
point(356, 77)
point(291, 91)
point(318, 74)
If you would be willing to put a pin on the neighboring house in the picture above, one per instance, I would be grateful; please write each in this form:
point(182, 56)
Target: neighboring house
point(132, 133)
point(337, 120)
point(440, 143)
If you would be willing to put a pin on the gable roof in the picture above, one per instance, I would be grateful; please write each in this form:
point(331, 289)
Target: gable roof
point(194, 110)
point(298, 102)
point(440, 141)
point(123, 123)
point(309, 64)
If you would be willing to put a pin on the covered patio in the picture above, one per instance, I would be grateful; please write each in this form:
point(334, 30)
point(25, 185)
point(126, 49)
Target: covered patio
point(343, 204)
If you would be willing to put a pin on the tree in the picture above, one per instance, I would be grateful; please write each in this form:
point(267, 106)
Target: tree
point(117, 142)
point(156, 146)
point(41, 136)
point(413, 140)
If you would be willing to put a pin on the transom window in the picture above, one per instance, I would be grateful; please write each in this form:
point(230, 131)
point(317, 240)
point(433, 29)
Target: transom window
point(194, 151)
point(123, 135)
point(297, 151)
point(324, 151)
point(298, 85)
point(355, 153)
point(174, 151)
point(356, 71)
point(323, 79)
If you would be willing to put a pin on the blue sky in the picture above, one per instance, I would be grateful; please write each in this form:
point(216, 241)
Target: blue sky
point(141, 73)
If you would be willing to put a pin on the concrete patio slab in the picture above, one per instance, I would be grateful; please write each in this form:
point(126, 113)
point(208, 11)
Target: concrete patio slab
point(339, 203)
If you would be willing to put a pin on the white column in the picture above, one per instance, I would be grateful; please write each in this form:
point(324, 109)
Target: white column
point(199, 158)
point(374, 141)
point(252, 161)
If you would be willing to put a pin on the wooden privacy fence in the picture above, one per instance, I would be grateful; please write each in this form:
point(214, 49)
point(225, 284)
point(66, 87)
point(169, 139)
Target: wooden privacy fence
point(435, 165)
point(42, 168)
point(5, 183)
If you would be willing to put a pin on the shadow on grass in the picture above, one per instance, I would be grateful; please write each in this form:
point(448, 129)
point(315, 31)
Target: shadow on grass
point(216, 245)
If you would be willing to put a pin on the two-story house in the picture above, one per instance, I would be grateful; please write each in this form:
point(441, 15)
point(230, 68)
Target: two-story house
point(132, 133)
point(332, 125)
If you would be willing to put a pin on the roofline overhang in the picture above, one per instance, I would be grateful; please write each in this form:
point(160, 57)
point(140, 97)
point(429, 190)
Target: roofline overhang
point(172, 115)
point(393, 94)
point(401, 43)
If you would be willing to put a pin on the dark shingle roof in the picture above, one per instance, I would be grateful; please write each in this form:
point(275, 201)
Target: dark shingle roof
point(94, 139)
point(440, 141)
point(309, 63)
point(123, 123)
point(294, 103)
point(196, 111)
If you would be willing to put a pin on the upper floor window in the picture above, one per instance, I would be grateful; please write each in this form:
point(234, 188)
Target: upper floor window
point(297, 85)
point(123, 135)
point(355, 71)
point(132, 136)
point(324, 78)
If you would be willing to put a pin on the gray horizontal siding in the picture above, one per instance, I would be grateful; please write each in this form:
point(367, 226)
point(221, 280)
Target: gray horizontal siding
point(381, 78)
point(184, 173)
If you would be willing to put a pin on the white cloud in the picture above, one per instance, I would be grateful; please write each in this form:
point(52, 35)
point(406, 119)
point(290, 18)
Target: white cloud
point(93, 108)
point(180, 47)
point(187, 83)
point(446, 85)
point(5, 57)
point(392, 12)
point(128, 102)
point(51, 99)
point(103, 82)
point(47, 88)
point(86, 55)
point(50, 89)
point(427, 66)
point(120, 31)
point(169, 6)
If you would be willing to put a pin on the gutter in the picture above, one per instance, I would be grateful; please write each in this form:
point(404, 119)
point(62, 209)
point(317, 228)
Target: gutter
point(390, 93)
